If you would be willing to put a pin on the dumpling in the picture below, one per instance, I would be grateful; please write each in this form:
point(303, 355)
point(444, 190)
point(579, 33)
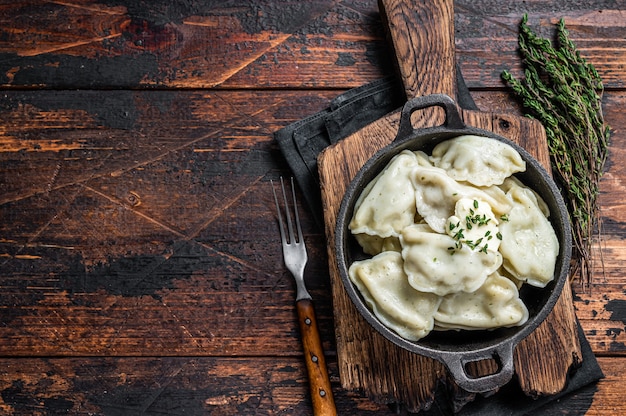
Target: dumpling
point(422, 158)
point(512, 182)
point(529, 244)
point(434, 263)
point(505, 273)
point(495, 304)
point(373, 244)
point(384, 286)
point(436, 195)
point(387, 204)
point(481, 161)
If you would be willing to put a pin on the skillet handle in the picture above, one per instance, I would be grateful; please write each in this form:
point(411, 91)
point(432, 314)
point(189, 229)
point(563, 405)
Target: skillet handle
point(503, 354)
point(453, 116)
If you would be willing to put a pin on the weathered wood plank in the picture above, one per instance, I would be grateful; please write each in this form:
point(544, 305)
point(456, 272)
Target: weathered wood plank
point(51, 139)
point(159, 385)
point(121, 205)
point(269, 44)
point(158, 235)
point(88, 242)
point(204, 385)
point(224, 292)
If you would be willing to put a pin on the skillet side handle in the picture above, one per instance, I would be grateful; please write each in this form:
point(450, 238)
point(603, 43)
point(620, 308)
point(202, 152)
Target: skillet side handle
point(453, 116)
point(503, 354)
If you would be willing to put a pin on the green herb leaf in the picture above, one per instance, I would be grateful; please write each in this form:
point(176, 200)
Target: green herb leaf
point(564, 92)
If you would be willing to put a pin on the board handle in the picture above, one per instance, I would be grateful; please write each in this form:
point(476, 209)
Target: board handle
point(422, 35)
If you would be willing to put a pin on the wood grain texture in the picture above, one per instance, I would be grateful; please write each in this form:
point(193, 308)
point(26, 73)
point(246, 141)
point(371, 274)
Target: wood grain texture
point(420, 34)
point(214, 385)
point(139, 269)
point(95, 261)
point(319, 381)
point(269, 44)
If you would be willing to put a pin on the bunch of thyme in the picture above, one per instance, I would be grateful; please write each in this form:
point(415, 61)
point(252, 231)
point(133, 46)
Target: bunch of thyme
point(564, 93)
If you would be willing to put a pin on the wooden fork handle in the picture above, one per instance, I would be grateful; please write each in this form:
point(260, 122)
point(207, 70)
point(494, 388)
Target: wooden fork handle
point(319, 382)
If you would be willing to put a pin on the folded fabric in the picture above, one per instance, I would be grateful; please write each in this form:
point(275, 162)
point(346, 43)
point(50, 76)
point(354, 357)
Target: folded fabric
point(301, 143)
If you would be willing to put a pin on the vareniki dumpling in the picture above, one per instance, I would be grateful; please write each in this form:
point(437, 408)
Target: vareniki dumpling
point(529, 244)
point(387, 204)
point(436, 194)
point(373, 244)
point(385, 288)
point(478, 160)
point(435, 263)
point(495, 304)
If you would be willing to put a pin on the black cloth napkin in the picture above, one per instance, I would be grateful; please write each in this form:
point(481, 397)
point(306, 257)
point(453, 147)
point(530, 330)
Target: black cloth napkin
point(301, 143)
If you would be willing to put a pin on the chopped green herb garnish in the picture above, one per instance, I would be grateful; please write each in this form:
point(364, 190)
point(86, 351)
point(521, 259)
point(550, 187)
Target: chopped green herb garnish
point(471, 221)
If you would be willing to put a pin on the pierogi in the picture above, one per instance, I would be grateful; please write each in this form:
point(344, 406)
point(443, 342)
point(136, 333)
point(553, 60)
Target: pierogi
point(478, 160)
point(431, 268)
point(387, 204)
point(453, 236)
point(385, 288)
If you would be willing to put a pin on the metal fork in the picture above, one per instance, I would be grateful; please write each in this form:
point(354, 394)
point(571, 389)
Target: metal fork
point(295, 257)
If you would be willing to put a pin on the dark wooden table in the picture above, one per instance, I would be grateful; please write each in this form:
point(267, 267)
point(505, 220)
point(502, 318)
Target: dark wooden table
point(140, 270)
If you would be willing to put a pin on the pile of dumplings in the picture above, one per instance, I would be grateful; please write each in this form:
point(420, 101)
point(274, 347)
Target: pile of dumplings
point(453, 236)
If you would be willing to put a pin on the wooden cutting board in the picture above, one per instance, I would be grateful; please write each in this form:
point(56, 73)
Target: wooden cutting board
point(422, 33)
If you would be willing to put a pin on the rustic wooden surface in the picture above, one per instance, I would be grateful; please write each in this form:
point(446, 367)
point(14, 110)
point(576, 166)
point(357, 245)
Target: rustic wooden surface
point(422, 35)
point(139, 267)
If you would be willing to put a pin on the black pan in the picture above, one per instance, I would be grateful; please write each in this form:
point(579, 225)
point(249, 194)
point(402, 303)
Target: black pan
point(458, 348)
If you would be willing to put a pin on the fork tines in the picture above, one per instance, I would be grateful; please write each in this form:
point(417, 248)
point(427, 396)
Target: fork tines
point(291, 236)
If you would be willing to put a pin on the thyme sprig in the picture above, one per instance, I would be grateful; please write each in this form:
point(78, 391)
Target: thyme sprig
point(564, 92)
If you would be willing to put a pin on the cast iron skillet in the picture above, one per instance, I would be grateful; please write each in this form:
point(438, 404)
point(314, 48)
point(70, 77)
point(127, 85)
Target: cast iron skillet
point(458, 348)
